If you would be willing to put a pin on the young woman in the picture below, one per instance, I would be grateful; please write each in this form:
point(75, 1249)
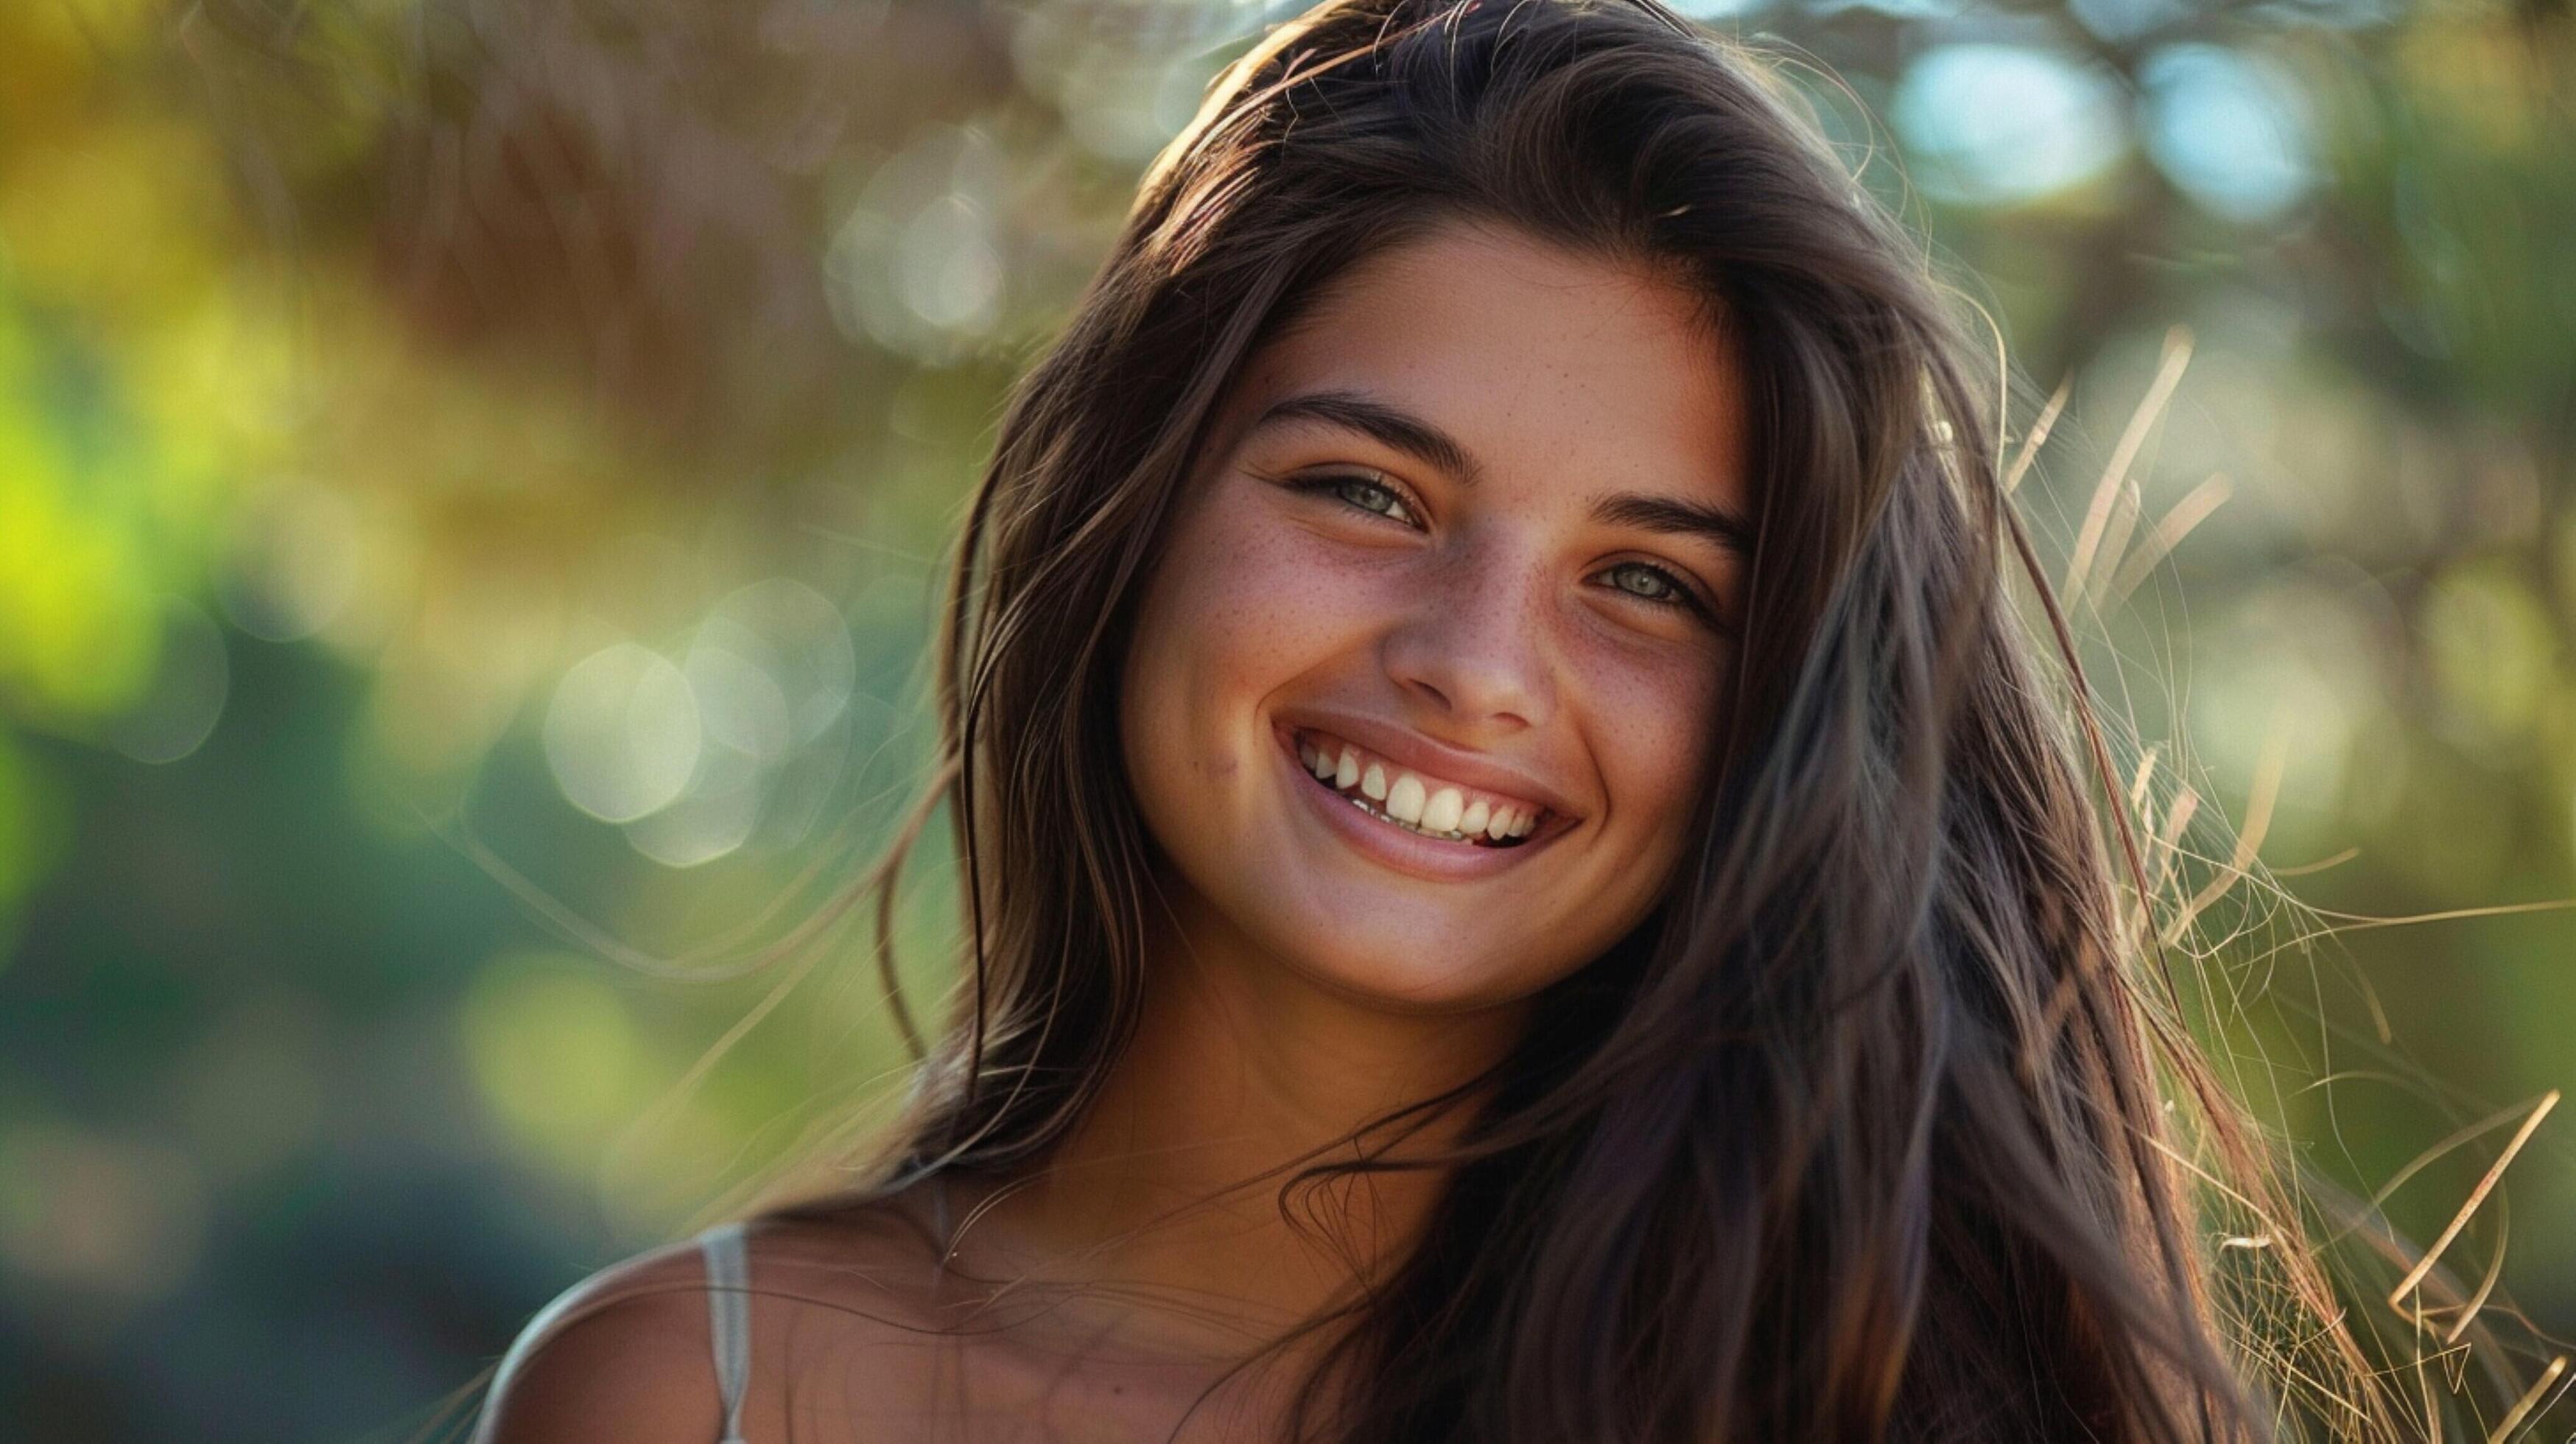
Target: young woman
point(1524, 880)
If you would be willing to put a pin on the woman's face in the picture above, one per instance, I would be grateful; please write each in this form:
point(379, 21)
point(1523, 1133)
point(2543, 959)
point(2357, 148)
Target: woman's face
point(1463, 556)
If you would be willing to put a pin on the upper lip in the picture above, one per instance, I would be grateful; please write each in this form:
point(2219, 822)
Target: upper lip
point(1436, 759)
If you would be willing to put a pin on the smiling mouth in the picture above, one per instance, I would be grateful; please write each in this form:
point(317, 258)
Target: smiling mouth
point(1422, 805)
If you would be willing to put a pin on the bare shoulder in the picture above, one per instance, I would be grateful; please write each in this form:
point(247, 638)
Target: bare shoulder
point(627, 1353)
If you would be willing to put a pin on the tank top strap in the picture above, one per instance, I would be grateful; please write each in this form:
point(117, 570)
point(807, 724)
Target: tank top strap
point(729, 1318)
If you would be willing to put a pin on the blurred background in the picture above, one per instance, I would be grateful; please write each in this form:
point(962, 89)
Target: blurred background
point(474, 476)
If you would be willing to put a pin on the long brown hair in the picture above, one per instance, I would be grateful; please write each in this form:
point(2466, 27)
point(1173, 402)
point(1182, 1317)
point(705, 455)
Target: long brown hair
point(1885, 1123)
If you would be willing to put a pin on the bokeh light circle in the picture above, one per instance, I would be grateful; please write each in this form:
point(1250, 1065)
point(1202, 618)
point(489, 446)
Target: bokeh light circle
point(623, 733)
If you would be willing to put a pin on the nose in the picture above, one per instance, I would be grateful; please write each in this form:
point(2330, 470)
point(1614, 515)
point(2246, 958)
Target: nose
point(1472, 647)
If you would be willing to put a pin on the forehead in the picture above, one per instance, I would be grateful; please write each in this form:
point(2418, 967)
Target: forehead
point(1544, 363)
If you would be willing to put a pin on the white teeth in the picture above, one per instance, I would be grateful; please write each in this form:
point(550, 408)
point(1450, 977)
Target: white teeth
point(1410, 802)
point(1404, 800)
point(1440, 814)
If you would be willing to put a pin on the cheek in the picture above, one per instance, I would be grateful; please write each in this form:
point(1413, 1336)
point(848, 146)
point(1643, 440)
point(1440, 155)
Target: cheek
point(1653, 732)
point(1240, 606)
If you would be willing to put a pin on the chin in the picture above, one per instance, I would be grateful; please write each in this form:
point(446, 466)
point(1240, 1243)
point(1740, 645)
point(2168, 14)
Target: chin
point(1410, 974)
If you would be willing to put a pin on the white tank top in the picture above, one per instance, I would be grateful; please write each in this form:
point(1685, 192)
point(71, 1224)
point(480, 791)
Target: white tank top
point(728, 1287)
point(729, 1318)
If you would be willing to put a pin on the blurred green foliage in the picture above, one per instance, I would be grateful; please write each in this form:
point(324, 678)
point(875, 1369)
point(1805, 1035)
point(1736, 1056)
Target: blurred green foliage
point(473, 476)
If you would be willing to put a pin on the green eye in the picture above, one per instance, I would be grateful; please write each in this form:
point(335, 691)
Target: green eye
point(1654, 586)
point(1369, 495)
point(1658, 586)
point(1362, 492)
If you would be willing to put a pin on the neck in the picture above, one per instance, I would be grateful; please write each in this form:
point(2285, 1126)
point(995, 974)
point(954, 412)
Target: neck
point(1243, 1071)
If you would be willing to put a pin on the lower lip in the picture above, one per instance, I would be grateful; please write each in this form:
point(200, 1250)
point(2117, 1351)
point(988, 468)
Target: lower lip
point(1407, 852)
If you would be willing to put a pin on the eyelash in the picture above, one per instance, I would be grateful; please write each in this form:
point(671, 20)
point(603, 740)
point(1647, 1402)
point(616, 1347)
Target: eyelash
point(1682, 597)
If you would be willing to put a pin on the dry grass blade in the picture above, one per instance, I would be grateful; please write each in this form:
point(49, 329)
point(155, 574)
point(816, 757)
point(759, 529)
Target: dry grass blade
point(2133, 439)
point(2194, 508)
point(2258, 820)
point(2335, 859)
point(2457, 1138)
point(2038, 437)
point(2126, 503)
point(2169, 839)
point(2486, 1285)
point(2530, 1400)
point(2166, 852)
point(2477, 1196)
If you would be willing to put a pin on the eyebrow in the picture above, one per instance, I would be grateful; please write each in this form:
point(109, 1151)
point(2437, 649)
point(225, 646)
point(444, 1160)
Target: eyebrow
point(1425, 442)
point(1389, 425)
point(1672, 516)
